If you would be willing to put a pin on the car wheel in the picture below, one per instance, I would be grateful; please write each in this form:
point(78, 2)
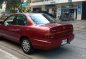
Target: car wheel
point(26, 46)
point(1, 38)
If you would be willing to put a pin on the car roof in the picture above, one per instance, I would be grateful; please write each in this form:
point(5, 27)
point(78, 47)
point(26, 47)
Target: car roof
point(28, 13)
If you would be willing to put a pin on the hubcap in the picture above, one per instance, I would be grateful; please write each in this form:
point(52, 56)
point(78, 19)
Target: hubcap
point(26, 45)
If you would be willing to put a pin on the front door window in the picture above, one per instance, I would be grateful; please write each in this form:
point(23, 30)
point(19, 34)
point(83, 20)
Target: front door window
point(9, 20)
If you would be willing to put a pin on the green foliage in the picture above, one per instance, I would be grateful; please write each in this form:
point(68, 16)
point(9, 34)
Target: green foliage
point(25, 9)
point(28, 1)
point(13, 4)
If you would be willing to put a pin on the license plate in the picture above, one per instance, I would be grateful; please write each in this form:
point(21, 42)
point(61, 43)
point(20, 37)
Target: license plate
point(64, 42)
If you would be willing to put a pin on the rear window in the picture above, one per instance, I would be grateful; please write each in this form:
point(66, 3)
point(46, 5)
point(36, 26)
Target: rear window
point(41, 18)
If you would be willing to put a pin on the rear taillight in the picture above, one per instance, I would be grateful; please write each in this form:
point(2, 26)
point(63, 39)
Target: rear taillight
point(50, 35)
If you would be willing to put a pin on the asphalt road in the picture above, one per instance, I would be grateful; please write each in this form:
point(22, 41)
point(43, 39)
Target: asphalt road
point(75, 50)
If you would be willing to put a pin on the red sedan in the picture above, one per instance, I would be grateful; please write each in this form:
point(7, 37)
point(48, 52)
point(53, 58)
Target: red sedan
point(35, 30)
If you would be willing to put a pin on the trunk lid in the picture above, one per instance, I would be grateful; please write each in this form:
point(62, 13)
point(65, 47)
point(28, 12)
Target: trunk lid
point(59, 29)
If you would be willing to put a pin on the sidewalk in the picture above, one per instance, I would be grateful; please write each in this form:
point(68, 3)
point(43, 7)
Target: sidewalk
point(6, 55)
point(78, 24)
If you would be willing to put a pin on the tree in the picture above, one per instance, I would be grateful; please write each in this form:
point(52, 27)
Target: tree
point(25, 8)
point(13, 4)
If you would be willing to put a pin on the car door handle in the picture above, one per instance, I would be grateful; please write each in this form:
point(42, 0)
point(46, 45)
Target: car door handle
point(14, 30)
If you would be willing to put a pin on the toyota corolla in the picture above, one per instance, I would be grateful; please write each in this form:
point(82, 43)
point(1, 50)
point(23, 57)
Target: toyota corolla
point(36, 31)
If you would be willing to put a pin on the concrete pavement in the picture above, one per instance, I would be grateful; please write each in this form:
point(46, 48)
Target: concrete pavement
point(5, 55)
point(78, 24)
point(10, 50)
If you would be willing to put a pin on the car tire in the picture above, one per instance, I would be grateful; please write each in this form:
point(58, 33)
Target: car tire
point(26, 46)
point(1, 38)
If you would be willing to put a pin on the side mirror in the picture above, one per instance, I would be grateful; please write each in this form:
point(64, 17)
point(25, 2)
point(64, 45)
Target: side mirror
point(5, 23)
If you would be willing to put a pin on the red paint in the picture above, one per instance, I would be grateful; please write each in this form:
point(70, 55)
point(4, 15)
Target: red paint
point(45, 36)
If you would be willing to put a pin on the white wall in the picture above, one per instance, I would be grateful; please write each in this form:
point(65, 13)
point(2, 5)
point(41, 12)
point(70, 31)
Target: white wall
point(79, 11)
point(61, 1)
point(58, 11)
point(65, 1)
point(42, 3)
point(53, 2)
point(3, 8)
point(43, 8)
point(78, 0)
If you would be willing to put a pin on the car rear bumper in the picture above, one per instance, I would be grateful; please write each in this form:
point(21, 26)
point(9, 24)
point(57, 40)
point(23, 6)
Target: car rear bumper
point(54, 43)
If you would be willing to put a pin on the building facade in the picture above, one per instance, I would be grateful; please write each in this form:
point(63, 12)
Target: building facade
point(62, 9)
point(43, 5)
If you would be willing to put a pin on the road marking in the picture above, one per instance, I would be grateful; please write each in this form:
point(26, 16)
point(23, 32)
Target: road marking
point(7, 55)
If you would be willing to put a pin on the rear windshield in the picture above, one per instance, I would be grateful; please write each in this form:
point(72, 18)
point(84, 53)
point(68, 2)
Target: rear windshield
point(41, 18)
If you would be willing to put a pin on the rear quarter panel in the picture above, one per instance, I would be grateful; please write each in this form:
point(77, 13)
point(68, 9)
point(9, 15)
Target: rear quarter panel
point(34, 33)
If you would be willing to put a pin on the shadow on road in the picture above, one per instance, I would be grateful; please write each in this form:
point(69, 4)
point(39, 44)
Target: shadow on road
point(39, 53)
point(54, 53)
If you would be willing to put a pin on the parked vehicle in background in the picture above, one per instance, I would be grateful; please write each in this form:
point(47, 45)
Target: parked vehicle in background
point(36, 31)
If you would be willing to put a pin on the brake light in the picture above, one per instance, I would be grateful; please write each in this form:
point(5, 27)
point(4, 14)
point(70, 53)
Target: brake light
point(50, 35)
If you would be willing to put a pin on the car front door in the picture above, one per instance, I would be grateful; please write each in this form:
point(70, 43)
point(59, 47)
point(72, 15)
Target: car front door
point(15, 27)
point(6, 27)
